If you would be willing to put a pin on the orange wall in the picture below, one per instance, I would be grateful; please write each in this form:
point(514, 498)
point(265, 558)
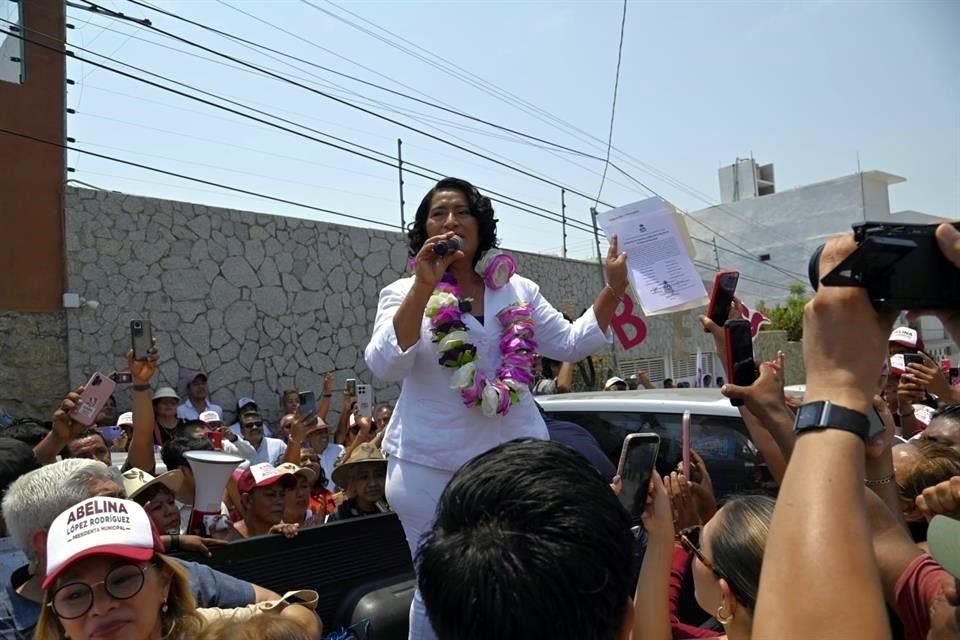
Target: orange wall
point(32, 260)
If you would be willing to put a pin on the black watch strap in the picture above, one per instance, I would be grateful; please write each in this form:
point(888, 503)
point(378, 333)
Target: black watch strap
point(826, 415)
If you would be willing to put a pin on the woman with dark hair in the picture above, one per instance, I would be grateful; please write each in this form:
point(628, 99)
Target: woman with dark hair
point(462, 334)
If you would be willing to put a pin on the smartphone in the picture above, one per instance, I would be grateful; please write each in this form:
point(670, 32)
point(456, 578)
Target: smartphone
point(122, 377)
point(95, 394)
point(685, 444)
point(365, 399)
point(638, 461)
point(141, 337)
point(352, 386)
point(740, 365)
point(724, 288)
point(912, 358)
point(308, 403)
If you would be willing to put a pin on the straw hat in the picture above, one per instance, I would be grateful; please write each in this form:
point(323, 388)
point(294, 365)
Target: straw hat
point(136, 481)
point(366, 453)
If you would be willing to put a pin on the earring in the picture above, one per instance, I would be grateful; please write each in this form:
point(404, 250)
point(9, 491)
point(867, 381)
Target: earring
point(722, 616)
point(165, 607)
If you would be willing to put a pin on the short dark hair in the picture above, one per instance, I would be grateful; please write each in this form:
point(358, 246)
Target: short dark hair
point(173, 450)
point(27, 430)
point(86, 433)
point(480, 208)
point(528, 542)
point(182, 426)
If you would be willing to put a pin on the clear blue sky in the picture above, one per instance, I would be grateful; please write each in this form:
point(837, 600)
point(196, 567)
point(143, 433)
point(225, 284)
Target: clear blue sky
point(806, 86)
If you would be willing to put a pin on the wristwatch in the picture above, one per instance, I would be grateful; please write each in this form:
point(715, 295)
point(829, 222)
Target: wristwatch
point(826, 415)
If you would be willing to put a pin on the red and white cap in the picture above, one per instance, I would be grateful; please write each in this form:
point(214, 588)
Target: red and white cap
point(100, 526)
point(210, 416)
point(923, 414)
point(261, 475)
point(125, 419)
point(906, 337)
point(898, 364)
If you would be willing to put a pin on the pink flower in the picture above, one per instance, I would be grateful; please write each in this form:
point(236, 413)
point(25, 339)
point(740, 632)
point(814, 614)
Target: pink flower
point(514, 313)
point(472, 395)
point(499, 271)
point(446, 315)
point(505, 399)
point(510, 344)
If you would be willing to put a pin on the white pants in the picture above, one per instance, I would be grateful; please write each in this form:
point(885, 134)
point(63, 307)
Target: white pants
point(413, 492)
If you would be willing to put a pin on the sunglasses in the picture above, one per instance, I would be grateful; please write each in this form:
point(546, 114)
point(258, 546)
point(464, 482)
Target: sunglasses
point(689, 539)
point(253, 425)
point(75, 599)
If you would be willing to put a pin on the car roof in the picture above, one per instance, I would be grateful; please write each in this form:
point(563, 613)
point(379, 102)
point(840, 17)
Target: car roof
point(702, 401)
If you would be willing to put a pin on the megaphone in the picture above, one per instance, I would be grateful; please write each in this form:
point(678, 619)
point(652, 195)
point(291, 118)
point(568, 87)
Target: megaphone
point(211, 472)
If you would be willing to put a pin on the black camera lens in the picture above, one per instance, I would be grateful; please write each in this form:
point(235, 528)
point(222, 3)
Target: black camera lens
point(813, 268)
point(137, 324)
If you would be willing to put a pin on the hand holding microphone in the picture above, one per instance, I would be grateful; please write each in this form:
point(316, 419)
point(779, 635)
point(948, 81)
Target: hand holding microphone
point(450, 245)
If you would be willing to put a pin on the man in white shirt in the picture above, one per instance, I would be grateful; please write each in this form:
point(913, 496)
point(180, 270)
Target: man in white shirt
point(327, 452)
point(195, 382)
point(266, 449)
point(243, 405)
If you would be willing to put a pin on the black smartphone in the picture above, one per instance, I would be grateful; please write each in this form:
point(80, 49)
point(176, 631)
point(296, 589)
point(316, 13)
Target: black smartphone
point(141, 338)
point(724, 289)
point(122, 377)
point(741, 368)
point(638, 461)
point(912, 358)
point(308, 403)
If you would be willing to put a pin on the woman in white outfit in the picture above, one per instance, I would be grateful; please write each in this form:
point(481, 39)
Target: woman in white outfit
point(462, 334)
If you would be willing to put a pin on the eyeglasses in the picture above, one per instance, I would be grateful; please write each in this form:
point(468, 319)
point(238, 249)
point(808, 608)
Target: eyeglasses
point(253, 425)
point(686, 539)
point(75, 599)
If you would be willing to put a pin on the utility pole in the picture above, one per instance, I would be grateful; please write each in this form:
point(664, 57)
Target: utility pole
point(403, 221)
point(603, 281)
point(563, 218)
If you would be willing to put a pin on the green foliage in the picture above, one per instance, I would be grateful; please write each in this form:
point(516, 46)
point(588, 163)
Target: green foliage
point(787, 316)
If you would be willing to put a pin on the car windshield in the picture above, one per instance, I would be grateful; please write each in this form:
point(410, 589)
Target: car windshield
point(722, 441)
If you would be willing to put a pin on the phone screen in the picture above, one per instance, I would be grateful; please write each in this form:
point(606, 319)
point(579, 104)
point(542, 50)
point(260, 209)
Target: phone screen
point(308, 403)
point(724, 289)
point(638, 460)
point(912, 358)
point(740, 364)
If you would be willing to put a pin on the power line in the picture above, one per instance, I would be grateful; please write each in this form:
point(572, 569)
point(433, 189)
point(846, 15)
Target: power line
point(340, 100)
point(646, 187)
point(613, 106)
point(199, 180)
point(501, 198)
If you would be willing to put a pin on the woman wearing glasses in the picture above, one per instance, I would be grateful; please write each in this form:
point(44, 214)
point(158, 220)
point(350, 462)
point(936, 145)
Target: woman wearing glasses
point(725, 556)
point(106, 577)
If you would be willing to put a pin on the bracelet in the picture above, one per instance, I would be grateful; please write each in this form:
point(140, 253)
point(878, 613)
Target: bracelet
point(141, 387)
point(614, 292)
point(879, 483)
point(174, 541)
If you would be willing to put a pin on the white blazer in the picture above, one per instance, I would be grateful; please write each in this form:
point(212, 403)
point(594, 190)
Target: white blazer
point(430, 424)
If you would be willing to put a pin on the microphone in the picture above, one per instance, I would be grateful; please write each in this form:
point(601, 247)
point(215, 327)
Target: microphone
point(450, 245)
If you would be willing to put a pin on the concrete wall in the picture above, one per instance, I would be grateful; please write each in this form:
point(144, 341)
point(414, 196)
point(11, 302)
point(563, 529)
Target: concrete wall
point(261, 302)
point(33, 363)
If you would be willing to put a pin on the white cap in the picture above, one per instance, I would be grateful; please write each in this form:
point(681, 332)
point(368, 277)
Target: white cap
point(923, 414)
point(125, 419)
point(898, 364)
point(100, 526)
point(614, 380)
point(905, 337)
point(210, 416)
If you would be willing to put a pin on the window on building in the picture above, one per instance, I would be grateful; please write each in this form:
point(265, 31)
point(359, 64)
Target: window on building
point(656, 368)
point(11, 47)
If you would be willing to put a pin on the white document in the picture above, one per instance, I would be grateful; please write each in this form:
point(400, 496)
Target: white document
point(658, 255)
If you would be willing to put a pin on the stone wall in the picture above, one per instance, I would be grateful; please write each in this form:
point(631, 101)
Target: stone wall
point(33, 363)
point(261, 302)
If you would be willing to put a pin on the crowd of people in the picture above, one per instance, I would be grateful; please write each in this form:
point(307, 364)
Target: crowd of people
point(512, 519)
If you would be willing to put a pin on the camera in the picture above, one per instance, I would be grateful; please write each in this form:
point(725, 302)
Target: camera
point(900, 265)
point(136, 324)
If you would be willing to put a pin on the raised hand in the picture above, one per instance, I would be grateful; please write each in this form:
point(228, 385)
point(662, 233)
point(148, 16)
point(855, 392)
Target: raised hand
point(327, 383)
point(64, 428)
point(682, 503)
point(658, 515)
point(763, 397)
point(615, 267)
point(941, 499)
point(702, 488)
point(428, 266)
point(930, 376)
point(143, 370)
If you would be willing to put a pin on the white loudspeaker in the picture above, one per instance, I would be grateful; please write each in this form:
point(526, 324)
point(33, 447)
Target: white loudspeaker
point(211, 472)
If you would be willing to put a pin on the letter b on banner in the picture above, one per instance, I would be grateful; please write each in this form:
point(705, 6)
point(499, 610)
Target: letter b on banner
point(627, 319)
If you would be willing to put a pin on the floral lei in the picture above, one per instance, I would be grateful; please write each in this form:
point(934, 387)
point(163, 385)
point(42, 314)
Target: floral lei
point(517, 347)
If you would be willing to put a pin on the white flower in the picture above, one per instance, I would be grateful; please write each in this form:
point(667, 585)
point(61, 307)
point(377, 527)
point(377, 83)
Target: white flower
point(490, 401)
point(462, 378)
point(439, 300)
point(501, 274)
point(448, 340)
point(517, 387)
